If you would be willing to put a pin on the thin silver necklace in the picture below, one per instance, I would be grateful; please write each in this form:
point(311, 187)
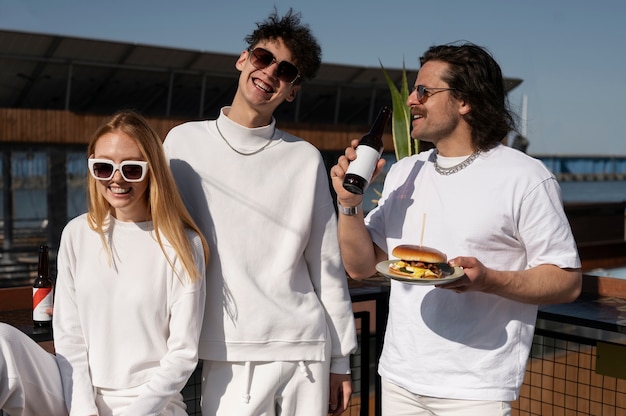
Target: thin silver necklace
point(260, 149)
point(456, 168)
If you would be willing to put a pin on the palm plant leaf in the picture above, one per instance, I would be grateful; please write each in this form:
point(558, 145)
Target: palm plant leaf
point(404, 145)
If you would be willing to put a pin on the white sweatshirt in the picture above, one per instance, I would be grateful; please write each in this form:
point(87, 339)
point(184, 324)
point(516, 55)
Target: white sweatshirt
point(124, 323)
point(276, 287)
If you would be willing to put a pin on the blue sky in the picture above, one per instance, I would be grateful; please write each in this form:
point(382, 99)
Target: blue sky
point(570, 53)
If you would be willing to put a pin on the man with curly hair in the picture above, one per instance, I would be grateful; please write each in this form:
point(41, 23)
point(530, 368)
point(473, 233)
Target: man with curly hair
point(278, 328)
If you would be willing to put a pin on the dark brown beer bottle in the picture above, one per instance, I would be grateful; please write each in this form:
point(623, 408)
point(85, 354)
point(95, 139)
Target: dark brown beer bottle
point(42, 291)
point(368, 152)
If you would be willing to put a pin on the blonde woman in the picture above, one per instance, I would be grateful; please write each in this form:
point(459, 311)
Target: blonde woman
point(130, 291)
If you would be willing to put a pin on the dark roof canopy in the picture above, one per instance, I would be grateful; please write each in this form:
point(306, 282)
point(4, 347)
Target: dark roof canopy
point(99, 77)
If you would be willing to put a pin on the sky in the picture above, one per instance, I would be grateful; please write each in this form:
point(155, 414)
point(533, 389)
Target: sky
point(570, 54)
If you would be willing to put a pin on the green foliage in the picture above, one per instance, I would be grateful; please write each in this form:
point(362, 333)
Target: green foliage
point(403, 144)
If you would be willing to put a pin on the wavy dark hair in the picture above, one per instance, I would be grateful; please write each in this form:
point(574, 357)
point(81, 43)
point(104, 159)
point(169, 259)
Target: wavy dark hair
point(305, 50)
point(477, 79)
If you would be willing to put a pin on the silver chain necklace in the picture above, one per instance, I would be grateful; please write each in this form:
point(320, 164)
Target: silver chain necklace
point(456, 168)
point(244, 153)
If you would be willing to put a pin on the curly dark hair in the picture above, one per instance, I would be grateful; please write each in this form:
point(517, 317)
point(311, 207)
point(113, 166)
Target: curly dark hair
point(477, 79)
point(305, 50)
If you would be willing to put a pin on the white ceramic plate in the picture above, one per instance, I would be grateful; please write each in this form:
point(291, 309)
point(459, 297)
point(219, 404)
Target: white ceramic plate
point(383, 268)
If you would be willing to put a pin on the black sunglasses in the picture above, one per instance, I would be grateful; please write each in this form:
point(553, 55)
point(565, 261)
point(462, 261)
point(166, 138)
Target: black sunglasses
point(286, 71)
point(424, 92)
point(131, 170)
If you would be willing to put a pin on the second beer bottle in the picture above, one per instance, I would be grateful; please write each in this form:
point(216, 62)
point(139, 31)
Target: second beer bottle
point(368, 152)
point(42, 291)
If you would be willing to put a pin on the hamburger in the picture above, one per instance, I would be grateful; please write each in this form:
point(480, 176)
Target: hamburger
point(418, 262)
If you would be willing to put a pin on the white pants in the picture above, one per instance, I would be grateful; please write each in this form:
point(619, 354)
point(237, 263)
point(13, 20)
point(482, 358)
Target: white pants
point(115, 402)
point(282, 388)
point(397, 401)
point(30, 382)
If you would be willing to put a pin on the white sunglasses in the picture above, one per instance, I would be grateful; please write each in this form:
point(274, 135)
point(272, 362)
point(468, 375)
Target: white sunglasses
point(131, 170)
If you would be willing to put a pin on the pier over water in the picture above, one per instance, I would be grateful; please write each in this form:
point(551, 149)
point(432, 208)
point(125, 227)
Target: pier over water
point(585, 168)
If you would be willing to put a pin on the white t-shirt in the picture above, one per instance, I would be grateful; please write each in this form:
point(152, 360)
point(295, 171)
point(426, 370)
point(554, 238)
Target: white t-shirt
point(504, 209)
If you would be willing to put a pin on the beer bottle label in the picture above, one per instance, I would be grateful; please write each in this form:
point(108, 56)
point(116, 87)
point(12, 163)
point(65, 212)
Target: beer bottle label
point(42, 301)
point(365, 162)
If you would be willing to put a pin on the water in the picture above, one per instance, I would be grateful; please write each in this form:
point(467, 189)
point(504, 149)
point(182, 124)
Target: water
point(600, 191)
point(30, 204)
point(617, 273)
point(29, 170)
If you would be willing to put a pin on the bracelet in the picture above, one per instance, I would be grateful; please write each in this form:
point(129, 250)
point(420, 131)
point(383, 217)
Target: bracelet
point(349, 211)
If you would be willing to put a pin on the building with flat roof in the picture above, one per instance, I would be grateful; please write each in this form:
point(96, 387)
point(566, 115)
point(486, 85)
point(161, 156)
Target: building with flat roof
point(95, 77)
point(56, 90)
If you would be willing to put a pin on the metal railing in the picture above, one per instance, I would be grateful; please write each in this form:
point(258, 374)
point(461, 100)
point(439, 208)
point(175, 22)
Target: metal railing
point(561, 379)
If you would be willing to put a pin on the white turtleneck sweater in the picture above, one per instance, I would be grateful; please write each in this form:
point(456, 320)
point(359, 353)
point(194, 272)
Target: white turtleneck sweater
point(276, 287)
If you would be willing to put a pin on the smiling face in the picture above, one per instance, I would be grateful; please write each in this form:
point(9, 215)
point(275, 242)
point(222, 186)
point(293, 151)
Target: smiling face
point(128, 200)
point(438, 117)
point(260, 91)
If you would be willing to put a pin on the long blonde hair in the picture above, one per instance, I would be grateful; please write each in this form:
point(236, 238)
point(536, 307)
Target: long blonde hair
point(165, 205)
